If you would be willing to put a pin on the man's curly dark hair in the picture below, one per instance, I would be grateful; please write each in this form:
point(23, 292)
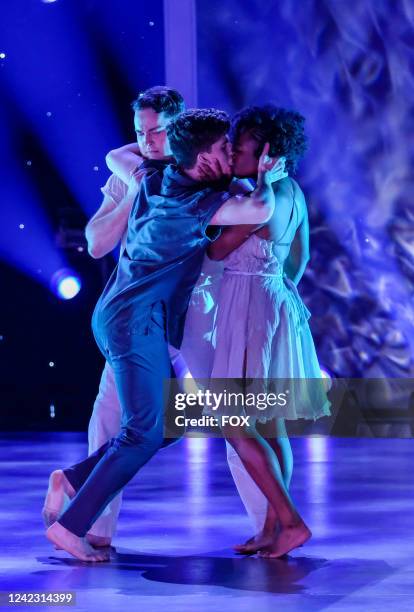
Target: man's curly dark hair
point(282, 129)
point(194, 131)
point(161, 99)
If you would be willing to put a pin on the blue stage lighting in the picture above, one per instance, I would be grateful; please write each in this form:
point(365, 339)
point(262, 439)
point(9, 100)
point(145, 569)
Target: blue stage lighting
point(65, 284)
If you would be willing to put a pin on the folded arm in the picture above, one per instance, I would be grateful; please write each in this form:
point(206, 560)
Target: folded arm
point(106, 228)
point(124, 161)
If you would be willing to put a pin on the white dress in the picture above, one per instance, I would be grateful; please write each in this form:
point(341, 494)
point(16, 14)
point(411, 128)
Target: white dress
point(262, 331)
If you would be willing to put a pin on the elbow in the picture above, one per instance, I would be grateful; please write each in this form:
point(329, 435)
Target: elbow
point(266, 212)
point(95, 249)
point(95, 253)
point(109, 159)
point(304, 263)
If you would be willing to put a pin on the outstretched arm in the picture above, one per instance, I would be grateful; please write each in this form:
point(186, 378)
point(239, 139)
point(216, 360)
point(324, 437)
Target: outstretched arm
point(124, 161)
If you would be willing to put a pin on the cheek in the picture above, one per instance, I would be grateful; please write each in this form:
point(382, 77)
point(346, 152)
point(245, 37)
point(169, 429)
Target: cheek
point(160, 140)
point(239, 160)
point(244, 164)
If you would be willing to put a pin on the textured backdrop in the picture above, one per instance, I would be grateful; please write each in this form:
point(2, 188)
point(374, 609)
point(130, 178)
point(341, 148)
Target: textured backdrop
point(347, 66)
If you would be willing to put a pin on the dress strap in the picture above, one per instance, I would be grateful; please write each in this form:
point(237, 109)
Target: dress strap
point(278, 243)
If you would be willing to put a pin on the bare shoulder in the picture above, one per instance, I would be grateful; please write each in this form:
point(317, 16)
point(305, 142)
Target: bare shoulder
point(296, 187)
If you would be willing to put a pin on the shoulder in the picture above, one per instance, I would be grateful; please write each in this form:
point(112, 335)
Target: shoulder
point(297, 191)
point(299, 199)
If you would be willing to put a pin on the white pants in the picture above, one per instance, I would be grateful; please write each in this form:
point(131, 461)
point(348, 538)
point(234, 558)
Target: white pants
point(105, 423)
point(253, 499)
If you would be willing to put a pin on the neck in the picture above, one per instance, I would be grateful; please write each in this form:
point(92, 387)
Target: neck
point(192, 173)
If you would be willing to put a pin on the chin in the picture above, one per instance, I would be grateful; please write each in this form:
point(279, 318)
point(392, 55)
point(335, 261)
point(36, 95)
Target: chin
point(240, 173)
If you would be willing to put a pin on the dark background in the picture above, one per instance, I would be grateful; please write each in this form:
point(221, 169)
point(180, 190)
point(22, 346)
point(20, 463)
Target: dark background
point(69, 73)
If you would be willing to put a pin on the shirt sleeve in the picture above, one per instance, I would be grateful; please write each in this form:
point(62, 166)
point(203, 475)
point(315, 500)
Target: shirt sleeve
point(115, 189)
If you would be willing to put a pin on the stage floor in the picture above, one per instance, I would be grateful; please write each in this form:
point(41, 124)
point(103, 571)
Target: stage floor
point(181, 515)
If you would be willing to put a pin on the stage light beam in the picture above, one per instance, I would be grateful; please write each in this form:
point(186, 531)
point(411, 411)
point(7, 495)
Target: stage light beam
point(65, 284)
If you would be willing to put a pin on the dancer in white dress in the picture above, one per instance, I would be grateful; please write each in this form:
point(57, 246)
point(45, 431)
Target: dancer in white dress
point(262, 329)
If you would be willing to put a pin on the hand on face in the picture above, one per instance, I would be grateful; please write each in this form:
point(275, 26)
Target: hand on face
point(216, 166)
point(272, 168)
point(213, 170)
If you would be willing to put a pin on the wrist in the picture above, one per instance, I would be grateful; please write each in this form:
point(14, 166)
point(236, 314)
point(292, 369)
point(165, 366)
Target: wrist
point(264, 180)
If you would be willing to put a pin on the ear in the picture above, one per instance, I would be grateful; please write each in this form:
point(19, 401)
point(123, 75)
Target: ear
point(203, 157)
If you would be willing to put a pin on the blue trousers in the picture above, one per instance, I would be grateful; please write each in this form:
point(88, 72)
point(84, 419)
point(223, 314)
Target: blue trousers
point(139, 357)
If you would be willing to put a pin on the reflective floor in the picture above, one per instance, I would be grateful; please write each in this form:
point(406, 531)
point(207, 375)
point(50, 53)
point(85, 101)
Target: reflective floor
point(181, 516)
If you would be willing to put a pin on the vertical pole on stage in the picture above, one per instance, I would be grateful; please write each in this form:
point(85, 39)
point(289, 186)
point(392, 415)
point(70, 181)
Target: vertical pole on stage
point(180, 33)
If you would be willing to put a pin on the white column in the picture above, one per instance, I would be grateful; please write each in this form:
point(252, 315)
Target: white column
point(180, 35)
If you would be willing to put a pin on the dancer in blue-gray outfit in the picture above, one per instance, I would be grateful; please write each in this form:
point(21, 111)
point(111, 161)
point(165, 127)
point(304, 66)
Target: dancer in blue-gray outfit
point(143, 306)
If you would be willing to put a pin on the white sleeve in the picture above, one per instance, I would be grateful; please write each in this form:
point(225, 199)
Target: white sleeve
point(115, 189)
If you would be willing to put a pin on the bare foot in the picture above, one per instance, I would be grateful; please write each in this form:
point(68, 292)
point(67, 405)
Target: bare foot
point(98, 541)
point(78, 547)
point(286, 540)
point(257, 542)
point(58, 493)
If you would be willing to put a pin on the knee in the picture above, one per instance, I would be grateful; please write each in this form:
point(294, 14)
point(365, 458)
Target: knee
point(231, 452)
point(233, 447)
point(150, 439)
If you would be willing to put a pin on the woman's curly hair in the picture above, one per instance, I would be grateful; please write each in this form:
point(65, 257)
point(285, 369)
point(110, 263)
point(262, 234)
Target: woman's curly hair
point(282, 129)
point(194, 131)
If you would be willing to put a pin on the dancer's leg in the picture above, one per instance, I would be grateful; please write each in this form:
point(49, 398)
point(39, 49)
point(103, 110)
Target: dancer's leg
point(261, 463)
point(139, 375)
point(105, 423)
point(254, 501)
point(279, 441)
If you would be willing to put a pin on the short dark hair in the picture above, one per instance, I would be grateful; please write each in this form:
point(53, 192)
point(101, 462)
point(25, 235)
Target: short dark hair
point(161, 99)
point(282, 129)
point(194, 131)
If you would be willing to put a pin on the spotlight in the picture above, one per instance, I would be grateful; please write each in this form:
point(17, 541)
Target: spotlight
point(65, 284)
